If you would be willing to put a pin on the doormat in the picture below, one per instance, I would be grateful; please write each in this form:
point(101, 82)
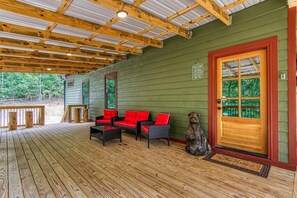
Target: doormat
point(239, 164)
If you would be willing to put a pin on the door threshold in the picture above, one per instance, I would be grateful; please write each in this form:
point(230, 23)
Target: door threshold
point(243, 152)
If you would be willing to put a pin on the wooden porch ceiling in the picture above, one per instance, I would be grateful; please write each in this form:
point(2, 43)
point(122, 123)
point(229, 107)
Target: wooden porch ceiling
point(100, 42)
point(59, 160)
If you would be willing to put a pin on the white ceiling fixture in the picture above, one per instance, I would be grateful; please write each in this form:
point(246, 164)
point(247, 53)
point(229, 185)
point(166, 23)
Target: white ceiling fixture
point(122, 14)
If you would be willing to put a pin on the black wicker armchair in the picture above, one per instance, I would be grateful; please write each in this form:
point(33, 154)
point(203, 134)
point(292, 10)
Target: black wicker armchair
point(154, 130)
point(107, 118)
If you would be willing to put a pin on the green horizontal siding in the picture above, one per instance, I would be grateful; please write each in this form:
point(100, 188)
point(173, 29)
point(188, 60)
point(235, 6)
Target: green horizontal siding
point(160, 80)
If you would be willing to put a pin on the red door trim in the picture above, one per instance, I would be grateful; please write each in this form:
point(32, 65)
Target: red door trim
point(292, 83)
point(270, 44)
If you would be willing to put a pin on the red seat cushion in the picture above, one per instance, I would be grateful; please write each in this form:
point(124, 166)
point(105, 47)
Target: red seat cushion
point(108, 114)
point(142, 115)
point(103, 121)
point(162, 119)
point(125, 124)
point(130, 116)
point(145, 128)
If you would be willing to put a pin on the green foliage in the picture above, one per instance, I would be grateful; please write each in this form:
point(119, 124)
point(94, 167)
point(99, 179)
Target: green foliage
point(30, 86)
point(85, 92)
point(110, 93)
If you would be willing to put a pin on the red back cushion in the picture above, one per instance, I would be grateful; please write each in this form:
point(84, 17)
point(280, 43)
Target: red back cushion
point(130, 116)
point(108, 114)
point(162, 118)
point(142, 115)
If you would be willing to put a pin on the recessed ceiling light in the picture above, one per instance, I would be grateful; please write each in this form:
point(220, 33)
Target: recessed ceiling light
point(122, 14)
point(69, 54)
point(48, 69)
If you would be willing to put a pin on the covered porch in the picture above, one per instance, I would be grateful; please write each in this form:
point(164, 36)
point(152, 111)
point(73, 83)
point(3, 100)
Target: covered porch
point(125, 63)
point(60, 161)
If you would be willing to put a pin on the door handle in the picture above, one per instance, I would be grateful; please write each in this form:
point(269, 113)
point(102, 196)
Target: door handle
point(219, 101)
point(219, 108)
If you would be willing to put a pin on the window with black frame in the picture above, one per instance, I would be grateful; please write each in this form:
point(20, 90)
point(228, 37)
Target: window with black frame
point(110, 91)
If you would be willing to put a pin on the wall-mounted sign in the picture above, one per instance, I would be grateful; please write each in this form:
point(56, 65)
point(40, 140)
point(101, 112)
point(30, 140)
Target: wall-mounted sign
point(70, 83)
point(198, 71)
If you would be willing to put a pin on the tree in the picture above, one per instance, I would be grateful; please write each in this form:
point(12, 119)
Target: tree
point(28, 86)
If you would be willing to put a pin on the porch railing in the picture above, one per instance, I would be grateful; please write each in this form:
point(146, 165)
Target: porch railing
point(69, 112)
point(38, 115)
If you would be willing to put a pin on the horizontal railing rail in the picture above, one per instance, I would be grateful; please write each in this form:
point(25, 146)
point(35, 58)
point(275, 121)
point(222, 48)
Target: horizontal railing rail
point(38, 115)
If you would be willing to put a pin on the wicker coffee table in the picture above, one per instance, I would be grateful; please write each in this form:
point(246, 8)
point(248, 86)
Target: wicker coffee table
point(106, 133)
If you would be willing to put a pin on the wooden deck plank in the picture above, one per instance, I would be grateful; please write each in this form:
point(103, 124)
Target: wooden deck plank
point(68, 182)
point(56, 177)
point(47, 183)
point(167, 189)
point(106, 175)
point(85, 170)
point(3, 166)
point(245, 184)
point(29, 186)
point(110, 168)
point(14, 179)
point(63, 153)
point(241, 186)
point(89, 190)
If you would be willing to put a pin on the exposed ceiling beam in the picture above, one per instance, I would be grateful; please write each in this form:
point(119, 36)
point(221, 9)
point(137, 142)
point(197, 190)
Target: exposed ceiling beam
point(38, 66)
point(112, 21)
point(146, 17)
point(38, 13)
point(183, 11)
point(229, 69)
point(50, 57)
point(192, 22)
point(256, 66)
point(52, 48)
point(36, 70)
point(4, 59)
point(215, 10)
point(138, 2)
point(64, 5)
point(170, 18)
point(45, 34)
point(232, 5)
point(227, 7)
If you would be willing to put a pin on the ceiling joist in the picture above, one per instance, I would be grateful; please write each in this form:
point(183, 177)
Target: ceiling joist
point(37, 70)
point(48, 52)
point(50, 57)
point(4, 59)
point(39, 66)
point(64, 5)
point(215, 10)
point(138, 2)
point(38, 13)
point(53, 48)
point(193, 21)
point(141, 15)
point(45, 34)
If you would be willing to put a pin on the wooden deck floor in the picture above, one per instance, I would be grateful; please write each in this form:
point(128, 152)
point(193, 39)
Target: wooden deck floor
point(59, 160)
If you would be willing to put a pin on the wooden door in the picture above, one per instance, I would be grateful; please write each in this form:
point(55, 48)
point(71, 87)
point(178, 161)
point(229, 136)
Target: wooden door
point(242, 102)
